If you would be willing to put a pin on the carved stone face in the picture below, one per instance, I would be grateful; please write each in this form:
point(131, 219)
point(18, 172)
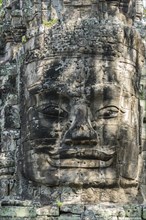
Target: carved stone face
point(82, 126)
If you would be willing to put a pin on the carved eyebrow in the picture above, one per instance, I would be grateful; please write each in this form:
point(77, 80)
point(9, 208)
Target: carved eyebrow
point(111, 106)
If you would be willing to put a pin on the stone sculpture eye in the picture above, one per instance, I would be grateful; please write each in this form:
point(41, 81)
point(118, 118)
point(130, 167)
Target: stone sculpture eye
point(109, 112)
point(54, 111)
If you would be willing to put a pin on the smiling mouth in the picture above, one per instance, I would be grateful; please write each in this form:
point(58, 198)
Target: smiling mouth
point(84, 149)
point(80, 154)
point(83, 157)
point(86, 153)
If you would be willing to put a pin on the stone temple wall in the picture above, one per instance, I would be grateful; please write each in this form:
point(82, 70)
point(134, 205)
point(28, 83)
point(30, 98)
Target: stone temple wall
point(72, 143)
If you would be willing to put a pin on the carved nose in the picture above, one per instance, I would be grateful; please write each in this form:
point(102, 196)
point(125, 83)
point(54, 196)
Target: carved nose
point(81, 128)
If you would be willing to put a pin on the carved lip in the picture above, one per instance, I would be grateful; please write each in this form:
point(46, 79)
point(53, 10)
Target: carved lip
point(84, 152)
point(87, 153)
point(71, 142)
point(81, 163)
point(82, 156)
point(84, 163)
point(85, 149)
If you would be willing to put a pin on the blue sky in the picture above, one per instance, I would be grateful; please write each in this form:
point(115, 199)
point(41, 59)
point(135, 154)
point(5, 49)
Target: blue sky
point(144, 3)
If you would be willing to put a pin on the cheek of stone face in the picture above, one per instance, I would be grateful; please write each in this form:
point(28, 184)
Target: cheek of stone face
point(110, 134)
point(127, 152)
point(123, 140)
point(41, 126)
point(38, 168)
point(129, 165)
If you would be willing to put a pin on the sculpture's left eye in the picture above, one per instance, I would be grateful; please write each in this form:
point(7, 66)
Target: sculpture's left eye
point(53, 111)
point(109, 112)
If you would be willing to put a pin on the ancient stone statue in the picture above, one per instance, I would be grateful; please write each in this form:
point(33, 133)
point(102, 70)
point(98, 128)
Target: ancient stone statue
point(80, 106)
point(78, 66)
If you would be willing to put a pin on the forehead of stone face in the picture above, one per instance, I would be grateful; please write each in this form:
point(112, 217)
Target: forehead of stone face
point(84, 71)
point(70, 74)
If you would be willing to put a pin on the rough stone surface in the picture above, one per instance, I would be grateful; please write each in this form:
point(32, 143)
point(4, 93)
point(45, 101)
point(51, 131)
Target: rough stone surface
point(17, 212)
point(48, 211)
point(72, 107)
point(144, 213)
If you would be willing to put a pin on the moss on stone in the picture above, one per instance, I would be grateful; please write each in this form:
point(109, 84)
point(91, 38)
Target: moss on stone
point(23, 39)
point(50, 23)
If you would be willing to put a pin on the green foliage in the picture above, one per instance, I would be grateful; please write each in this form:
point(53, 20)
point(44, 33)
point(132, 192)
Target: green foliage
point(142, 95)
point(1, 2)
point(59, 204)
point(50, 23)
point(144, 12)
point(142, 92)
point(24, 39)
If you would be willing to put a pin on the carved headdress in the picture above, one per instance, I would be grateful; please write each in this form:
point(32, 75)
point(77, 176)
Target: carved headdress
point(130, 8)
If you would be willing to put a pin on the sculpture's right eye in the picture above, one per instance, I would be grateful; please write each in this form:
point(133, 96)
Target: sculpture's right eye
point(53, 111)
